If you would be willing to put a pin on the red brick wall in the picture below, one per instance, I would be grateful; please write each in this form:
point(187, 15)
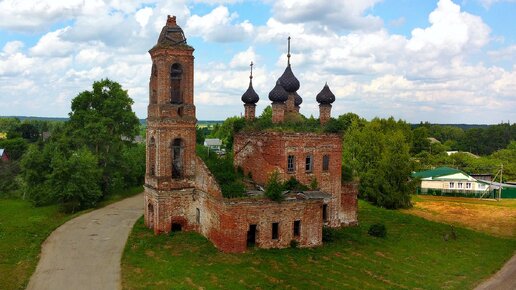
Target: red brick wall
point(324, 113)
point(263, 152)
point(349, 203)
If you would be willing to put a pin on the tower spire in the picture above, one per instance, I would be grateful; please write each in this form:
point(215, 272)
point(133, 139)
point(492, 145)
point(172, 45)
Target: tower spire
point(251, 76)
point(288, 53)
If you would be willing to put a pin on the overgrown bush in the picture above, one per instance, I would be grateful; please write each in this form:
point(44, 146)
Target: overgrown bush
point(274, 187)
point(229, 178)
point(294, 184)
point(377, 230)
point(329, 234)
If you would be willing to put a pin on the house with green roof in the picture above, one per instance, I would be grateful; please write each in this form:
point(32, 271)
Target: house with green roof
point(450, 181)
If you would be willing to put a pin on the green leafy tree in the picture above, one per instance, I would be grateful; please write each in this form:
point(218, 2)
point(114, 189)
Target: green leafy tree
point(274, 187)
point(101, 119)
point(75, 180)
point(14, 147)
point(377, 154)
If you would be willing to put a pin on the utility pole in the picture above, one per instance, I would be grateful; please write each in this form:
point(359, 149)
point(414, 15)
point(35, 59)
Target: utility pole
point(501, 182)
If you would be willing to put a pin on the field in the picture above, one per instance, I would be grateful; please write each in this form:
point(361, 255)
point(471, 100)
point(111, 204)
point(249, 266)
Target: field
point(490, 216)
point(415, 254)
point(23, 228)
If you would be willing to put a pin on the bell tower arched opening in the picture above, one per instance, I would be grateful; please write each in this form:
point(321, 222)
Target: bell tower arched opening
point(177, 158)
point(176, 76)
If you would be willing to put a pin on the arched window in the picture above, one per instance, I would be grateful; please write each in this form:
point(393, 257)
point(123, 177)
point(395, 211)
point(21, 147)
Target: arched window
point(152, 156)
point(177, 158)
point(176, 75)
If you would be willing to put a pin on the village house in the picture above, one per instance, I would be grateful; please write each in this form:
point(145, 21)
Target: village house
point(181, 194)
point(449, 181)
point(3, 155)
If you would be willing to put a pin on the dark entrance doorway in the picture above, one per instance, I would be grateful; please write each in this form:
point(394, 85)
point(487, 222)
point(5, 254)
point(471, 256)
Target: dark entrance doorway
point(251, 236)
point(176, 227)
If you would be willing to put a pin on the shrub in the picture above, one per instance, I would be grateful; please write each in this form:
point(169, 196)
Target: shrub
point(274, 187)
point(294, 244)
point(294, 184)
point(329, 234)
point(314, 185)
point(377, 230)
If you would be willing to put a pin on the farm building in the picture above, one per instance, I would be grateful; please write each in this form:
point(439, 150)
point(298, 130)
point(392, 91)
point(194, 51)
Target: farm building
point(453, 182)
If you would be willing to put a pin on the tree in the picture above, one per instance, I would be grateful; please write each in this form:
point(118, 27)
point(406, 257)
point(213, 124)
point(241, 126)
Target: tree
point(377, 154)
point(420, 140)
point(75, 180)
point(101, 119)
point(15, 147)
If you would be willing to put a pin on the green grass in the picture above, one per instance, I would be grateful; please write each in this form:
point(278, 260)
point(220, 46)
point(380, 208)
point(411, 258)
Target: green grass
point(413, 255)
point(23, 228)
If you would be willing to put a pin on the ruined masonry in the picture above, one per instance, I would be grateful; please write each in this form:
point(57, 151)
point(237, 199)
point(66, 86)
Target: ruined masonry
point(182, 195)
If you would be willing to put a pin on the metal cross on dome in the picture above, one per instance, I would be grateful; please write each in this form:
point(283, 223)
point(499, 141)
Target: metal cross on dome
point(251, 65)
point(288, 54)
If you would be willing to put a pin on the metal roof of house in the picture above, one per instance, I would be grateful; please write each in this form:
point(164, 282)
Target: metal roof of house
point(436, 172)
point(212, 142)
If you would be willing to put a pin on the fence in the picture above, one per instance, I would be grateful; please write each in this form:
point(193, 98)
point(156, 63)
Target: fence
point(507, 192)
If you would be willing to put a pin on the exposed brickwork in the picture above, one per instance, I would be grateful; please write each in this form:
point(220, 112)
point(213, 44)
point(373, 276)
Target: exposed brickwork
point(263, 152)
point(278, 112)
point(324, 113)
point(349, 203)
point(250, 111)
point(182, 194)
point(290, 103)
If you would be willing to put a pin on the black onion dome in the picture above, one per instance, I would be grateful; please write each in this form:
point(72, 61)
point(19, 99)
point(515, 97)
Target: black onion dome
point(297, 99)
point(250, 96)
point(325, 97)
point(289, 81)
point(278, 93)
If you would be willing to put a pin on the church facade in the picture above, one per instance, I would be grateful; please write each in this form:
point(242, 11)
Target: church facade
point(182, 195)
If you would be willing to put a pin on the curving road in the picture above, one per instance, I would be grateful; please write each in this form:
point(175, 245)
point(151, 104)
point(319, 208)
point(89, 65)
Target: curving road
point(505, 279)
point(85, 252)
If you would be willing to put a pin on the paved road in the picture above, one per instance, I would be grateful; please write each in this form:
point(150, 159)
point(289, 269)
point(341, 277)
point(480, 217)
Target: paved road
point(85, 252)
point(505, 279)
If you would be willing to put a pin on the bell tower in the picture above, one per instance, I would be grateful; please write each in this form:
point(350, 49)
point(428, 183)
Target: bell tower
point(170, 121)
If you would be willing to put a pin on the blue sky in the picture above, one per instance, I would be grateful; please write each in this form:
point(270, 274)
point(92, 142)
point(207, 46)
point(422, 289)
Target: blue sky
point(440, 61)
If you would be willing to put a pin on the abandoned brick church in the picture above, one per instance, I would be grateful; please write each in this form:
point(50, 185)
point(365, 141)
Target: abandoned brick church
point(182, 194)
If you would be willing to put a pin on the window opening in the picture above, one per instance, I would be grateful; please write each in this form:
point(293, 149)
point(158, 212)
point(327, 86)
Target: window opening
point(291, 163)
point(198, 215)
point(251, 236)
point(275, 231)
point(177, 158)
point(308, 163)
point(297, 228)
point(176, 75)
point(325, 212)
point(326, 163)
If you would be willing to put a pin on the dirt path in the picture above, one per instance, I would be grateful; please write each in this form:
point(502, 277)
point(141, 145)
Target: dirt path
point(503, 279)
point(85, 252)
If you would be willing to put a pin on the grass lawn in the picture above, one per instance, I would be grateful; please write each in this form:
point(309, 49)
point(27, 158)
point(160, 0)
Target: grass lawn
point(23, 228)
point(413, 255)
point(490, 216)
